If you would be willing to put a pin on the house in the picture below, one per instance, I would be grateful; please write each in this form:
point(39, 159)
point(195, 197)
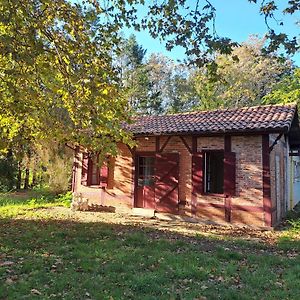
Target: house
point(234, 165)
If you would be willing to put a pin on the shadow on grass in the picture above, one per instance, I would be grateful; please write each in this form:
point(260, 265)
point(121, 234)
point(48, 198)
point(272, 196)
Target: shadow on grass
point(53, 259)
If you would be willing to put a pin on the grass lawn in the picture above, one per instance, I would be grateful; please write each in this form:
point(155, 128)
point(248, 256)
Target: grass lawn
point(51, 253)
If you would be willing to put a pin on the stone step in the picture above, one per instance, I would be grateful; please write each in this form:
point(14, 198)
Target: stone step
point(143, 212)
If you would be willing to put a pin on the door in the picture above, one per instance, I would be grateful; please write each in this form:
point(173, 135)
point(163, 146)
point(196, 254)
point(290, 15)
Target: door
point(145, 181)
point(166, 184)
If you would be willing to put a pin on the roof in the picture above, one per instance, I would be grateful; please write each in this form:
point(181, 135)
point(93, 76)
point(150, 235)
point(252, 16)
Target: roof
point(267, 118)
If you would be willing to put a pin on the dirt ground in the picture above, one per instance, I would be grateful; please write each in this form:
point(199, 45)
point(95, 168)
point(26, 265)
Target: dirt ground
point(165, 225)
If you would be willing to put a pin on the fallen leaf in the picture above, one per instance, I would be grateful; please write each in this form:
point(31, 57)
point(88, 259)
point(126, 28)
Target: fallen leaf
point(9, 281)
point(6, 263)
point(35, 292)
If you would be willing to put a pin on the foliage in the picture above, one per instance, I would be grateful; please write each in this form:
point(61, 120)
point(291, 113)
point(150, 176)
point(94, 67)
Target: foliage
point(54, 165)
point(134, 75)
point(181, 93)
point(132, 54)
point(56, 71)
point(159, 69)
point(142, 78)
point(242, 78)
point(156, 84)
point(192, 25)
point(64, 199)
point(58, 80)
point(8, 172)
point(286, 91)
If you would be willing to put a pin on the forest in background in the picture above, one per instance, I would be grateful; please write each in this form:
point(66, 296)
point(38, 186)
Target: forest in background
point(154, 85)
point(68, 75)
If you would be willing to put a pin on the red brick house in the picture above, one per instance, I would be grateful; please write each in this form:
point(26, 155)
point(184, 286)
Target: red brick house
point(228, 165)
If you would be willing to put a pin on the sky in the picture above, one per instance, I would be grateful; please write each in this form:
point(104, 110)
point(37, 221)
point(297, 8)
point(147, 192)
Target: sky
point(236, 19)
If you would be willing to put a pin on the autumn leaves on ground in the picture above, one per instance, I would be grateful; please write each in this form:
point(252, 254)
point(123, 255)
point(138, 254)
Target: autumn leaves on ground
point(49, 252)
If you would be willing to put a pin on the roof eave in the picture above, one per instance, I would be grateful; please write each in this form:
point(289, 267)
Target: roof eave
point(216, 133)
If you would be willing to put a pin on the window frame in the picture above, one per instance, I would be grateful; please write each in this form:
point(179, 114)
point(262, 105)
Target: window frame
point(205, 192)
point(91, 165)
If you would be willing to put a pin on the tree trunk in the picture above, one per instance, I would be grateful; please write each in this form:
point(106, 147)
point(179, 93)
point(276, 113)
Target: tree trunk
point(33, 182)
point(34, 175)
point(26, 180)
point(27, 172)
point(19, 177)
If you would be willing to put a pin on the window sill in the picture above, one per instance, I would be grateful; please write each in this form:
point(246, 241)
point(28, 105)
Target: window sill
point(96, 186)
point(215, 195)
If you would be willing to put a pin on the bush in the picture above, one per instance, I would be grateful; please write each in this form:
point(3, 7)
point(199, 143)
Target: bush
point(59, 172)
point(56, 165)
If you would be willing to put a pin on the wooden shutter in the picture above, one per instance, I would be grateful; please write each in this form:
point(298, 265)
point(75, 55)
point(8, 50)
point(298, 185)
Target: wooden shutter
point(167, 182)
point(197, 173)
point(84, 170)
point(90, 171)
point(229, 173)
point(75, 169)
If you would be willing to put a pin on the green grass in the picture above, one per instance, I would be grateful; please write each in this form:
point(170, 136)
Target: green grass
point(14, 204)
point(64, 259)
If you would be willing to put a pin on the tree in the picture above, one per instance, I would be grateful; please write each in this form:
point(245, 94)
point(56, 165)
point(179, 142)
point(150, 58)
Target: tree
point(191, 25)
point(286, 91)
point(132, 54)
point(143, 79)
point(134, 75)
point(242, 78)
point(181, 93)
point(8, 172)
point(57, 78)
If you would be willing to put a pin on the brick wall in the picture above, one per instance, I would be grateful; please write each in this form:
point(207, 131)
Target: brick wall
point(246, 206)
point(119, 191)
point(249, 180)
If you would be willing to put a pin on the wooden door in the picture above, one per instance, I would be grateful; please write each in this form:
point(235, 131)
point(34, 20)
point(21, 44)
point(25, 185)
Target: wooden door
point(145, 181)
point(166, 183)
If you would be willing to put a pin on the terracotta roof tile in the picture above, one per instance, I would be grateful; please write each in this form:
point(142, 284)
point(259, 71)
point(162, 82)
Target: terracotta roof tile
point(247, 119)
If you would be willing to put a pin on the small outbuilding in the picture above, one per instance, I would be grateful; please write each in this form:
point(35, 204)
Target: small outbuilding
point(239, 166)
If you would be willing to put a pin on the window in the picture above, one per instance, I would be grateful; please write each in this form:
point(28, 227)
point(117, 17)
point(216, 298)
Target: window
point(94, 171)
point(146, 171)
point(214, 172)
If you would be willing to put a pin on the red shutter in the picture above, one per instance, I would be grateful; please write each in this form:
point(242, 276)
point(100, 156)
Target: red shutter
point(197, 173)
point(75, 169)
point(229, 173)
point(90, 171)
point(104, 174)
point(197, 179)
point(166, 183)
point(84, 170)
